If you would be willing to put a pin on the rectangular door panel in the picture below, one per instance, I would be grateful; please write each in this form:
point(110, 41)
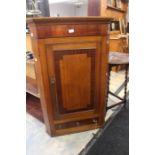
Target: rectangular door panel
point(75, 79)
point(73, 73)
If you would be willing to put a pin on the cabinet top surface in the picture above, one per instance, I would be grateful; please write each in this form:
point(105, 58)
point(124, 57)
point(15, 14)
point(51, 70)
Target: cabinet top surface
point(68, 19)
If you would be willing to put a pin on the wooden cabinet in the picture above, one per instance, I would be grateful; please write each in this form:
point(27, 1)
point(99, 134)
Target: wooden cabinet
point(72, 60)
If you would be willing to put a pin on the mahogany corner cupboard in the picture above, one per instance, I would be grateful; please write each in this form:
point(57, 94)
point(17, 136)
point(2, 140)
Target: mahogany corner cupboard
point(71, 59)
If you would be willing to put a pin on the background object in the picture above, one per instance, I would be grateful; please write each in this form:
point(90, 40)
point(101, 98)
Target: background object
point(42, 6)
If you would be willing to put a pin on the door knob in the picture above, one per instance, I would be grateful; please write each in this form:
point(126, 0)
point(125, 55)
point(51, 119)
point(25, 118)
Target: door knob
point(52, 80)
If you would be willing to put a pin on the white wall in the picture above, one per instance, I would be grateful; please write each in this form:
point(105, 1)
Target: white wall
point(68, 9)
point(83, 9)
point(62, 9)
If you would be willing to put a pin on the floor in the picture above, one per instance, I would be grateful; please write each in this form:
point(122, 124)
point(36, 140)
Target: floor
point(114, 140)
point(40, 143)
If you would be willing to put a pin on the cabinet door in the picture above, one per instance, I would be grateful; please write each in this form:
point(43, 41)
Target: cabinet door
point(74, 78)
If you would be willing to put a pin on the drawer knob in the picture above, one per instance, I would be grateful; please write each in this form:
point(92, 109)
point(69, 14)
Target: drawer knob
point(71, 30)
point(95, 121)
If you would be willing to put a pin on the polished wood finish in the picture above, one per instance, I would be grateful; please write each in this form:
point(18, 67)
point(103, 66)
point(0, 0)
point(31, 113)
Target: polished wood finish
point(63, 30)
point(82, 28)
point(68, 20)
point(72, 64)
point(74, 86)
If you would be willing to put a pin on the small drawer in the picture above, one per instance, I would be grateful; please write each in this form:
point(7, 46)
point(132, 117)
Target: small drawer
point(71, 30)
point(77, 123)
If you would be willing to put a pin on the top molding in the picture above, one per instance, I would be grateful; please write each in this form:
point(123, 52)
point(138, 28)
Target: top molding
point(68, 19)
